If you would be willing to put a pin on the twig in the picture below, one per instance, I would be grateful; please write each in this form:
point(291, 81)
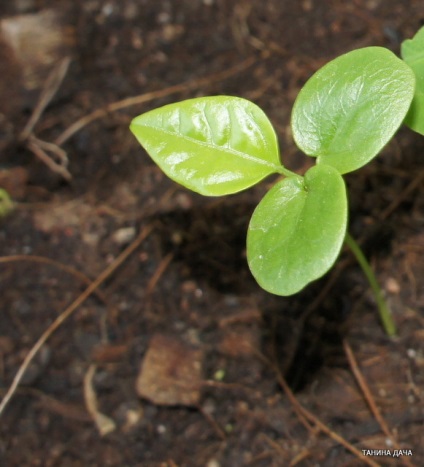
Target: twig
point(158, 273)
point(41, 148)
point(306, 416)
point(143, 98)
point(281, 451)
point(318, 423)
point(290, 395)
point(364, 388)
point(300, 457)
point(52, 262)
point(64, 409)
point(104, 424)
point(416, 182)
point(38, 147)
point(50, 88)
point(218, 430)
point(69, 310)
point(369, 397)
point(53, 148)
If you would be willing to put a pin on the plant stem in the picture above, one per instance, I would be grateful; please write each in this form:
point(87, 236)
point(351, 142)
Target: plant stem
point(385, 315)
point(288, 173)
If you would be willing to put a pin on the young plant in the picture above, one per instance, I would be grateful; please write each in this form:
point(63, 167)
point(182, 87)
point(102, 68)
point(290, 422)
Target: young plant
point(343, 116)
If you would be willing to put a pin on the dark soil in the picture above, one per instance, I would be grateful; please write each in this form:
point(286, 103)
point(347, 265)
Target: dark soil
point(184, 300)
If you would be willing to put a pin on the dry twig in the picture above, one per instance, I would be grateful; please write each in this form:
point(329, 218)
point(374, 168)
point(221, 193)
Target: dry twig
point(415, 183)
point(64, 267)
point(369, 398)
point(158, 273)
point(69, 310)
point(307, 417)
point(51, 87)
point(104, 424)
point(39, 148)
point(218, 430)
point(318, 423)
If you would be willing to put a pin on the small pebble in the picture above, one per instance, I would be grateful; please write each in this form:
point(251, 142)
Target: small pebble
point(392, 286)
point(411, 353)
point(124, 235)
point(161, 429)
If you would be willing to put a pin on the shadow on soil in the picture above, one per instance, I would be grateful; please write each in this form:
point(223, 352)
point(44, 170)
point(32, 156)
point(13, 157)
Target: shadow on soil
point(209, 244)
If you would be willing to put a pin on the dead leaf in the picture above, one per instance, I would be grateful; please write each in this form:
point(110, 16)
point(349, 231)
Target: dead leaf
point(170, 372)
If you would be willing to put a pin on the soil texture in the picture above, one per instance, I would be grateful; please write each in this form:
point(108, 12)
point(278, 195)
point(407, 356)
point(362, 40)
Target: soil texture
point(174, 357)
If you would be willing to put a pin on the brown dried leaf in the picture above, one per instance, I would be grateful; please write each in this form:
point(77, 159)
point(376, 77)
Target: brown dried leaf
point(170, 372)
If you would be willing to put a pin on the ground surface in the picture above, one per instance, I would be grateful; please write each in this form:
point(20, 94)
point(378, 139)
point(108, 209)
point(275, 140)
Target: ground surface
point(183, 303)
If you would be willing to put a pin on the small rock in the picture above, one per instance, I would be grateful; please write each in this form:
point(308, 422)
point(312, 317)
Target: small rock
point(129, 415)
point(392, 286)
point(124, 235)
point(171, 372)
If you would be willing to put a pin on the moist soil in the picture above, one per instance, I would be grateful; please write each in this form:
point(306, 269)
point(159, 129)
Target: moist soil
point(178, 358)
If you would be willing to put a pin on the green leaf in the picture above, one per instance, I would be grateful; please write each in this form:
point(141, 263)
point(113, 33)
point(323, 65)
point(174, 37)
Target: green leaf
point(412, 51)
point(6, 204)
point(297, 230)
point(211, 145)
point(349, 110)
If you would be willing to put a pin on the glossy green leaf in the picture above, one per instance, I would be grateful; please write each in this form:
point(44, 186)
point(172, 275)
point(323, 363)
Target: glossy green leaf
point(297, 230)
point(412, 51)
point(350, 108)
point(211, 145)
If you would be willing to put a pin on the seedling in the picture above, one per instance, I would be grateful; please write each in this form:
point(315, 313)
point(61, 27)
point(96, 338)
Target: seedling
point(343, 116)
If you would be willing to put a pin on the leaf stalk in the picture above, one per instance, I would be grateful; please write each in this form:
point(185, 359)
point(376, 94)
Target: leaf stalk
point(383, 309)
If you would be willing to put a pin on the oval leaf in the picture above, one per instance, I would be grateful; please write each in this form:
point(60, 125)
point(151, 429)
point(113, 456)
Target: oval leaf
point(350, 108)
point(211, 145)
point(297, 230)
point(412, 51)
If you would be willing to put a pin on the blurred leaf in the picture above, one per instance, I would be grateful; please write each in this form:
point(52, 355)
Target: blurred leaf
point(6, 204)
